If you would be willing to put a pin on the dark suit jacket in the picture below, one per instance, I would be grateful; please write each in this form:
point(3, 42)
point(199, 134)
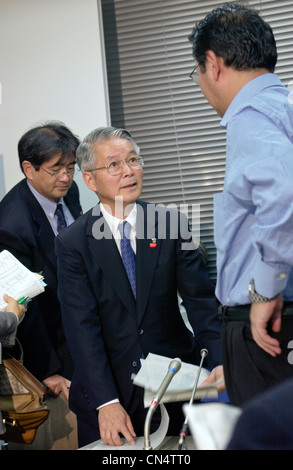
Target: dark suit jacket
point(266, 421)
point(106, 330)
point(26, 232)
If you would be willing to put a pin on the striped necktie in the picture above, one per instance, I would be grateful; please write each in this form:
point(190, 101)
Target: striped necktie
point(128, 255)
point(61, 222)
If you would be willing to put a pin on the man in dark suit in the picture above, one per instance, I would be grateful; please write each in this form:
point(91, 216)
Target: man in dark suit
point(266, 421)
point(109, 323)
point(28, 228)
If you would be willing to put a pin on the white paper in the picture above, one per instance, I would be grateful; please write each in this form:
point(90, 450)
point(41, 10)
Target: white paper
point(16, 280)
point(156, 439)
point(153, 371)
point(211, 424)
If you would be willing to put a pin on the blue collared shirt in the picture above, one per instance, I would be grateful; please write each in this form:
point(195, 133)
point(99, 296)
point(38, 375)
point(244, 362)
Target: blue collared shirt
point(253, 216)
point(49, 207)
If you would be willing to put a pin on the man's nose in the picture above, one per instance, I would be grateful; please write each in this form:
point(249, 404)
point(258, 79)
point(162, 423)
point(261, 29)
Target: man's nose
point(126, 168)
point(64, 175)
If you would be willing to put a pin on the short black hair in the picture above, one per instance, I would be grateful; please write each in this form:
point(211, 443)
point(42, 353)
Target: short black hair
point(43, 142)
point(237, 34)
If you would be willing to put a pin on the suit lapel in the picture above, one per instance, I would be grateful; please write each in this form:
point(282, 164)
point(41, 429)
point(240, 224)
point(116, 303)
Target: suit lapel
point(106, 255)
point(74, 209)
point(44, 233)
point(105, 252)
point(146, 255)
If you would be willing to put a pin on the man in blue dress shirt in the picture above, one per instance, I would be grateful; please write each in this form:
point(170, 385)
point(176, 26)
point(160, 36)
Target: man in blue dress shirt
point(235, 54)
point(28, 227)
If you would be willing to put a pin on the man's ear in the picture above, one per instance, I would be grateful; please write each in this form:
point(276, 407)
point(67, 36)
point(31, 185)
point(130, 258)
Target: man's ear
point(214, 64)
point(89, 181)
point(27, 168)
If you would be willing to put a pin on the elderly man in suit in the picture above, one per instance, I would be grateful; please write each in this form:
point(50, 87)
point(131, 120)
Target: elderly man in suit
point(29, 222)
point(113, 318)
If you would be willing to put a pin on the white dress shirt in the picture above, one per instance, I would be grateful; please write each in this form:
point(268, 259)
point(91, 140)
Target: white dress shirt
point(114, 223)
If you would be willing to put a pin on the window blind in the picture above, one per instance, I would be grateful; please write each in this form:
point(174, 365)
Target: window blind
point(149, 59)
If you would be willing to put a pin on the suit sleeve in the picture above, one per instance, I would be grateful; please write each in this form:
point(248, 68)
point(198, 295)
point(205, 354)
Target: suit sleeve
point(80, 314)
point(8, 326)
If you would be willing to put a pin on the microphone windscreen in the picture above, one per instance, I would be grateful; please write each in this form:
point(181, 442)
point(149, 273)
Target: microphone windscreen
point(175, 365)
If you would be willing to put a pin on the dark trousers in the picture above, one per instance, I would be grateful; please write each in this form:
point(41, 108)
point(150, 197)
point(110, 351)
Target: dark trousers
point(248, 369)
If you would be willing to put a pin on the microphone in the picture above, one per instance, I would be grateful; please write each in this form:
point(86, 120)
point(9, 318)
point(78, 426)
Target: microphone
point(203, 353)
point(174, 367)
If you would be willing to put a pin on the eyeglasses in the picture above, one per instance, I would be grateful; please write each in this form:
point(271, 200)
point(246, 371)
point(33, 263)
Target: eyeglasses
point(116, 167)
point(194, 75)
point(59, 173)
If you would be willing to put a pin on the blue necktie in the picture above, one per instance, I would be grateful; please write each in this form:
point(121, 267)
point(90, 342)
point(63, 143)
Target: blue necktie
point(128, 255)
point(61, 222)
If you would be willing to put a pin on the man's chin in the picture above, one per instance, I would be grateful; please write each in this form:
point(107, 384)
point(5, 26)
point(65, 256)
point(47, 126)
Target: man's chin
point(61, 193)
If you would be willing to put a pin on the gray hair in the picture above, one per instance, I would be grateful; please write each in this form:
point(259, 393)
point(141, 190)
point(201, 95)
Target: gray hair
point(85, 157)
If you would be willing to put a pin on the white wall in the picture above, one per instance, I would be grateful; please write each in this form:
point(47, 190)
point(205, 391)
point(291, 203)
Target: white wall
point(51, 68)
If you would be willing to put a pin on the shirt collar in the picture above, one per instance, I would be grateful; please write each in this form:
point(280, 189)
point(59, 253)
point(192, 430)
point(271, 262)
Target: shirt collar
point(114, 222)
point(247, 92)
point(48, 206)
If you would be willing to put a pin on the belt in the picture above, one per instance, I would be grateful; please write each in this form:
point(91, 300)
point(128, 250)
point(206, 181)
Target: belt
point(242, 312)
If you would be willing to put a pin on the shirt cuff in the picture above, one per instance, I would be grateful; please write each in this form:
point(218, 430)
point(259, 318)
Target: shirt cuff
point(270, 280)
point(108, 403)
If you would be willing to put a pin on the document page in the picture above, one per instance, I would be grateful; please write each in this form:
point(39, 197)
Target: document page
point(153, 370)
point(16, 280)
point(212, 424)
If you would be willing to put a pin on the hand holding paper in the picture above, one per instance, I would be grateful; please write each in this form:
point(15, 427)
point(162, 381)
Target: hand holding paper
point(216, 378)
point(16, 280)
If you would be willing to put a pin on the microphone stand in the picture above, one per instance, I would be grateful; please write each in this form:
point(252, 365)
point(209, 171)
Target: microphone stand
point(203, 353)
point(147, 424)
point(174, 367)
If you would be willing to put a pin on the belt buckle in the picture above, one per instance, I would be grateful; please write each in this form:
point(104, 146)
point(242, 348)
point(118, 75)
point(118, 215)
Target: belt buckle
point(222, 309)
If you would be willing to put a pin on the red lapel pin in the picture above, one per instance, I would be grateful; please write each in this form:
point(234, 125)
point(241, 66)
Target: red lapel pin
point(153, 244)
